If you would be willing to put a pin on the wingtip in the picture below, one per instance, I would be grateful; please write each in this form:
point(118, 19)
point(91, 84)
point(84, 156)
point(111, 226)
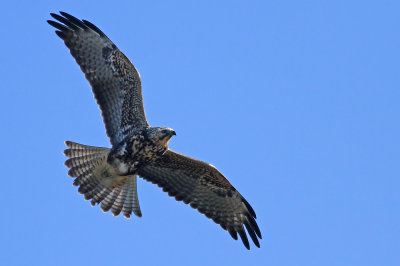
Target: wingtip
point(252, 234)
point(233, 234)
point(249, 208)
point(244, 238)
point(65, 14)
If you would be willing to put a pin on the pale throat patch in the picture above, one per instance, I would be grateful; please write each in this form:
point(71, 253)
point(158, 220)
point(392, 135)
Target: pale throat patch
point(165, 141)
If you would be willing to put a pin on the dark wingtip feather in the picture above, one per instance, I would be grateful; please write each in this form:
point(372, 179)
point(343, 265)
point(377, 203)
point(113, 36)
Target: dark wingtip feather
point(60, 34)
point(67, 22)
point(258, 232)
point(93, 27)
point(243, 236)
point(254, 225)
point(72, 23)
point(251, 219)
point(233, 233)
point(57, 25)
point(251, 210)
point(252, 234)
point(74, 20)
point(54, 15)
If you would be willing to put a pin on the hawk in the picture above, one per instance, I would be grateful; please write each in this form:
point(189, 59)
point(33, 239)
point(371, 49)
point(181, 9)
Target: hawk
point(108, 176)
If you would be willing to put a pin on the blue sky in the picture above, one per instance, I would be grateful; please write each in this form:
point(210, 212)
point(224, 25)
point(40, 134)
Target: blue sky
point(296, 102)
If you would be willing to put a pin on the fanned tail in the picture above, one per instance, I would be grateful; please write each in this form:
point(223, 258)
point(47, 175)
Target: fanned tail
point(97, 180)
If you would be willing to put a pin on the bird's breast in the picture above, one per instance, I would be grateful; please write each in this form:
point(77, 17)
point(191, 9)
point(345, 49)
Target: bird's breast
point(127, 157)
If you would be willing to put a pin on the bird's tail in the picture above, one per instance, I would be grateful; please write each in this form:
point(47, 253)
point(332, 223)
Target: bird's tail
point(98, 181)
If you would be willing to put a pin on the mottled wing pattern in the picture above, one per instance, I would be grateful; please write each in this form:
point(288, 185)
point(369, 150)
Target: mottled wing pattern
point(98, 182)
point(115, 81)
point(206, 189)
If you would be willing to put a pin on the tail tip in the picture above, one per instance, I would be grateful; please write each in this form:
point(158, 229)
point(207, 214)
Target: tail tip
point(68, 143)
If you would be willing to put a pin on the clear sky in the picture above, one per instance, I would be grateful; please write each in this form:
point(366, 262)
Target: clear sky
point(296, 102)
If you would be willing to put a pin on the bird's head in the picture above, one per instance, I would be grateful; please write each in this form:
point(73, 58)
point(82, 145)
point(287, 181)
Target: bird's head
point(161, 135)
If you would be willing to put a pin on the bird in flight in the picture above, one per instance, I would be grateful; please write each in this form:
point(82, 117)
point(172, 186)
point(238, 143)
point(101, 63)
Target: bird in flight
point(108, 176)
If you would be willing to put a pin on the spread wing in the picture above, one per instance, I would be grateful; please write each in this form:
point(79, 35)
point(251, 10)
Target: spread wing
point(115, 81)
point(206, 189)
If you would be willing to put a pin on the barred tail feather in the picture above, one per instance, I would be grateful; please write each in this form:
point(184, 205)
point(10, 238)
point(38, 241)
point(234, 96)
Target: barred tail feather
point(108, 202)
point(131, 201)
point(119, 202)
point(80, 150)
point(97, 180)
point(101, 193)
